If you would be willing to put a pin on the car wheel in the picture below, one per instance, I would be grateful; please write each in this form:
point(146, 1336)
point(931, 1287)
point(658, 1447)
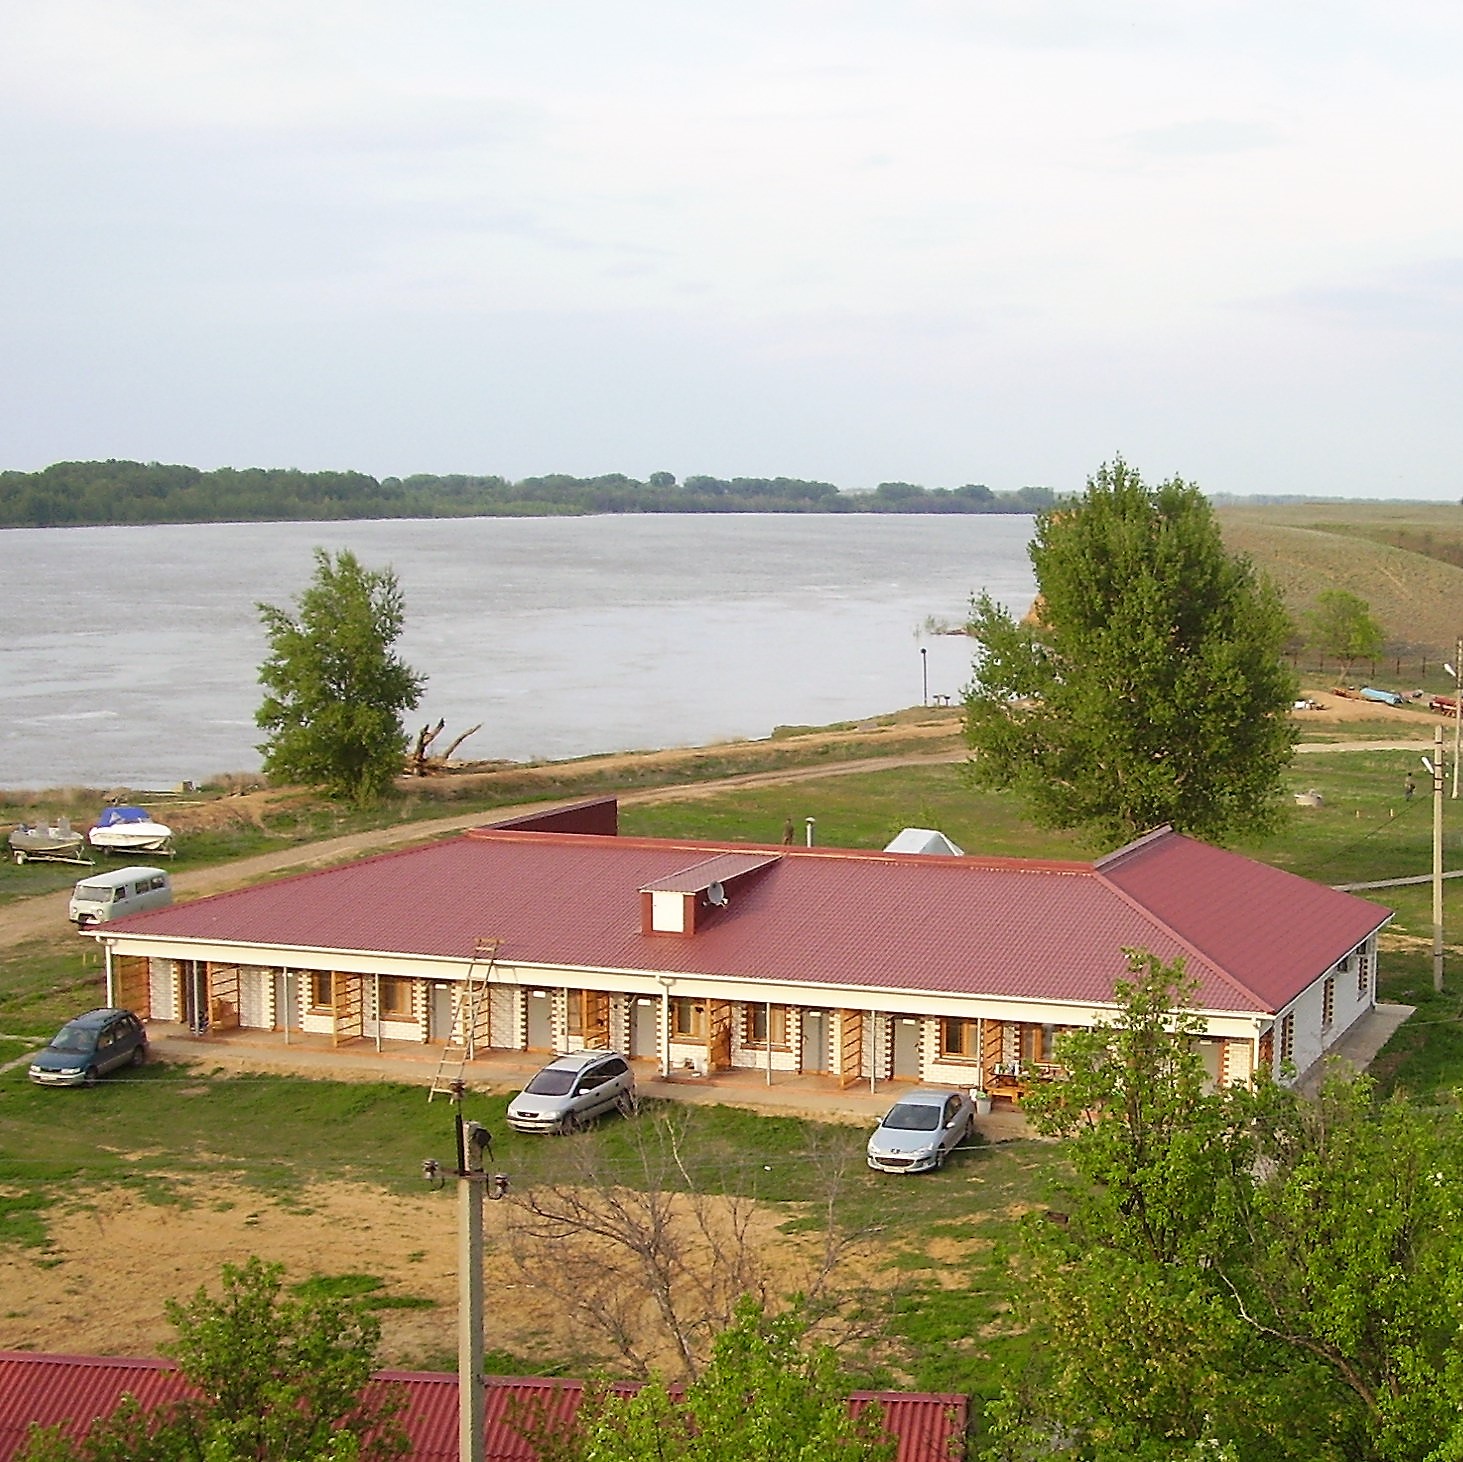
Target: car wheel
point(627, 1103)
point(20, 855)
point(90, 1079)
point(573, 1122)
point(139, 1055)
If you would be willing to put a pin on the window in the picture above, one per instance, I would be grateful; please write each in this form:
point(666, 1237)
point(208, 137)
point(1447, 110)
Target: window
point(1363, 976)
point(762, 1020)
point(688, 1019)
point(321, 995)
point(1328, 1002)
point(395, 997)
point(1039, 1042)
point(1287, 1037)
point(960, 1039)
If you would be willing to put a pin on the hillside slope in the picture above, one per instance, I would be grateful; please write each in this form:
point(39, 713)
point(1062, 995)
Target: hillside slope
point(1417, 597)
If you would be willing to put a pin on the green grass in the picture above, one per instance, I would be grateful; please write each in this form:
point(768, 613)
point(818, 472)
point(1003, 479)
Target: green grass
point(365, 1289)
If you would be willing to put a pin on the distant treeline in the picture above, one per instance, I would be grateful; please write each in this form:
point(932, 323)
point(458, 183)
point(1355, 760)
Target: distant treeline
point(76, 493)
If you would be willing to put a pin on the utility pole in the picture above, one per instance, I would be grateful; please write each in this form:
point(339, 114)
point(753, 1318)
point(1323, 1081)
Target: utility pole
point(473, 1140)
point(1435, 766)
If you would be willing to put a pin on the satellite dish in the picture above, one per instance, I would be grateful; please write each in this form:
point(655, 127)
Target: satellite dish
point(716, 895)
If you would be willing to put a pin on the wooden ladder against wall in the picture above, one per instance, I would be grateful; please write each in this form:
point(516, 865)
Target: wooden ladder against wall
point(223, 997)
point(348, 1002)
point(471, 1020)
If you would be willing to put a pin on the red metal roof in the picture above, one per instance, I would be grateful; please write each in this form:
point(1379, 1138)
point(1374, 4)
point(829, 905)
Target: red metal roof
point(77, 1389)
point(1252, 936)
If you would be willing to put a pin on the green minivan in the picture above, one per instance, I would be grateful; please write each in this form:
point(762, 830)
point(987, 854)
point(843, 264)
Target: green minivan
point(89, 1047)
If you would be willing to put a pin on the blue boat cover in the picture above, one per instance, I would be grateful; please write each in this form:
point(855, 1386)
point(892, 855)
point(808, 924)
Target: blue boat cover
point(112, 816)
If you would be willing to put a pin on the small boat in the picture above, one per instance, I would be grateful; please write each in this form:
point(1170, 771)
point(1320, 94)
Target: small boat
point(47, 842)
point(130, 830)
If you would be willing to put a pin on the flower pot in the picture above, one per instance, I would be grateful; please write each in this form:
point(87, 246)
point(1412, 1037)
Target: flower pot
point(982, 1106)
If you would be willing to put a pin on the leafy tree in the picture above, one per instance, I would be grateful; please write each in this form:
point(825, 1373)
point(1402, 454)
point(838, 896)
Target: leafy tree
point(1246, 1273)
point(335, 690)
point(1341, 625)
point(764, 1395)
point(280, 1379)
point(1146, 686)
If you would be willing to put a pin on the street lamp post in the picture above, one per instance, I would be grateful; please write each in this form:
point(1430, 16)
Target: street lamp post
point(924, 669)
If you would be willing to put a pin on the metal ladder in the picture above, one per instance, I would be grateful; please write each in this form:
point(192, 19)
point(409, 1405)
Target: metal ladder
point(469, 1020)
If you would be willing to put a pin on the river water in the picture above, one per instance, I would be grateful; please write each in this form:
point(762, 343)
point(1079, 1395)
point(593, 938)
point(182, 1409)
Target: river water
point(129, 656)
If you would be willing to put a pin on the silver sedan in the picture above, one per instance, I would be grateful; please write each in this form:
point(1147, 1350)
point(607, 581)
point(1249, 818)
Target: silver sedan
point(921, 1130)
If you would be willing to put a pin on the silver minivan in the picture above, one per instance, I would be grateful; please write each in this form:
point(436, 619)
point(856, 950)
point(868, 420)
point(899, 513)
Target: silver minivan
point(105, 896)
point(573, 1090)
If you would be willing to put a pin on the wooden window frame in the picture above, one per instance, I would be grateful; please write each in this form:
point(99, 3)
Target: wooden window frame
point(1328, 1002)
point(758, 1012)
point(695, 1030)
point(968, 1046)
point(316, 978)
point(1286, 1042)
point(401, 984)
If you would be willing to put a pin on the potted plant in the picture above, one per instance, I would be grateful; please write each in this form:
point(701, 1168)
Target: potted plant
point(982, 1099)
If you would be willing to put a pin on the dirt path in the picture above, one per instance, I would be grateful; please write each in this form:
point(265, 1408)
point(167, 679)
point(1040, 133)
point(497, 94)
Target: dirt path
point(36, 918)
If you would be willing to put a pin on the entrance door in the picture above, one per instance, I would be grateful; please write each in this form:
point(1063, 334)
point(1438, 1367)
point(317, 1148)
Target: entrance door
point(540, 1021)
point(645, 1028)
point(815, 1041)
point(906, 1047)
point(439, 1014)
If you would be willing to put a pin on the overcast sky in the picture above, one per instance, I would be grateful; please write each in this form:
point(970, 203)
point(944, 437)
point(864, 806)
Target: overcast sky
point(987, 241)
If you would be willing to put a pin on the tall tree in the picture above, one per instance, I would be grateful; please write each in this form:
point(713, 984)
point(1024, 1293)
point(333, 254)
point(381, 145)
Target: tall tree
point(279, 1379)
point(335, 689)
point(1341, 625)
point(1241, 1273)
point(1147, 685)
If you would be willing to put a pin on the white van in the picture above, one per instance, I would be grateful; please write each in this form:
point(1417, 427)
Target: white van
point(106, 896)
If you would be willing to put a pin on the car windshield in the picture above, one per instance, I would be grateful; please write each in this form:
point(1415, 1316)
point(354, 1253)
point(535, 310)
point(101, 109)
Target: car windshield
point(74, 1038)
point(551, 1082)
point(912, 1117)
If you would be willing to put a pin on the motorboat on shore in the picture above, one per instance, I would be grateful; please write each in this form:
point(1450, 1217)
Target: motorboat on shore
point(47, 842)
point(130, 830)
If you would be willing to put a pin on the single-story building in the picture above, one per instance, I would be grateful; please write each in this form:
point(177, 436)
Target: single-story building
point(554, 933)
point(75, 1390)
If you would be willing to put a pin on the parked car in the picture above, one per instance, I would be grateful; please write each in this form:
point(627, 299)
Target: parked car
point(90, 1046)
point(573, 1090)
point(921, 1130)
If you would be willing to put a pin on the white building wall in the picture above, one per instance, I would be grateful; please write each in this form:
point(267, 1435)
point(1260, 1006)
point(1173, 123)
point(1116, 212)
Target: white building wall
point(162, 989)
point(507, 1027)
point(256, 997)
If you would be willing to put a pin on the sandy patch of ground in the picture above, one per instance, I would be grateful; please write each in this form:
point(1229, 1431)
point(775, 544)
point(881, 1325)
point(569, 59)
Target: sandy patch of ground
point(100, 1287)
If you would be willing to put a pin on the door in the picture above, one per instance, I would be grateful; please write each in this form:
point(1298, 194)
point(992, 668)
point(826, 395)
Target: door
point(540, 1021)
point(439, 1014)
point(645, 1027)
point(905, 1059)
point(815, 1047)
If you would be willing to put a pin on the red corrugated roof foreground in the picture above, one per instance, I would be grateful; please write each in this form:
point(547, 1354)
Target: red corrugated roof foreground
point(1252, 936)
point(77, 1389)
